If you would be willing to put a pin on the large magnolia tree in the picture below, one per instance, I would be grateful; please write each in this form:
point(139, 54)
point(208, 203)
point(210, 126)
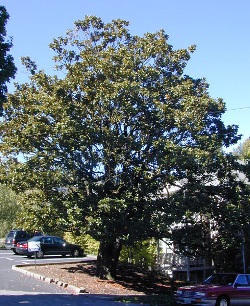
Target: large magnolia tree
point(93, 148)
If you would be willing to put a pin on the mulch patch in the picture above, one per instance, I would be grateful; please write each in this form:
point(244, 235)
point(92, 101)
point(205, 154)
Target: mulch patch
point(129, 277)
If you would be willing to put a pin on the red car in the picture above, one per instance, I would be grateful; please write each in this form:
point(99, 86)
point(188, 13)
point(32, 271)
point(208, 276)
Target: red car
point(222, 289)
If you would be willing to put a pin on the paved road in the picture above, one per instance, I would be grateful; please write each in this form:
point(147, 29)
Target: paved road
point(17, 288)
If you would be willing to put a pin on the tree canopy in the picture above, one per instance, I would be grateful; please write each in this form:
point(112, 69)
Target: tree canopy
point(242, 151)
point(8, 209)
point(7, 66)
point(98, 146)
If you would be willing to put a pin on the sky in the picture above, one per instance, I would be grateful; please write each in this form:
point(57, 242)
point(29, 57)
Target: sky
point(219, 28)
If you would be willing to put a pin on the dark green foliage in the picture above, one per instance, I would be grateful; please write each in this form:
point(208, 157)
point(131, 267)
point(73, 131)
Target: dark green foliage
point(7, 66)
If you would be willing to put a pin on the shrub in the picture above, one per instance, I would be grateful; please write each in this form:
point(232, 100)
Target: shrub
point(142, 254)
point(89, 244)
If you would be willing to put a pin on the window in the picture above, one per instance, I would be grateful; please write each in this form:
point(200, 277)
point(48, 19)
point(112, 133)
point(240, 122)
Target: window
point(47, 240)
point(58, 240)
point(242, 280)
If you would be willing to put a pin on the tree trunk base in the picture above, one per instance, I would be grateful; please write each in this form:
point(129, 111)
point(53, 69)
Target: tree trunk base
point(107, 259)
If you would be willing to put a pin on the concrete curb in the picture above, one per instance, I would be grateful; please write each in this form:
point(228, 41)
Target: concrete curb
point(58, 282)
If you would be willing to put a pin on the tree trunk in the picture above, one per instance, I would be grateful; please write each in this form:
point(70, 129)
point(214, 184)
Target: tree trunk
point(107, 259)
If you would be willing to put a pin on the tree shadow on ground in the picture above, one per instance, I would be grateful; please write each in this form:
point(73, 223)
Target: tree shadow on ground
point(132, 278)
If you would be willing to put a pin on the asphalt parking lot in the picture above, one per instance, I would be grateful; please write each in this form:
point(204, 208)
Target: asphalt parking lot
point(17, 288)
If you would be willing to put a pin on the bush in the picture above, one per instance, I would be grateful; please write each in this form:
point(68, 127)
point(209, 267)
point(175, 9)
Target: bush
point(142, 254)
point(89, 244)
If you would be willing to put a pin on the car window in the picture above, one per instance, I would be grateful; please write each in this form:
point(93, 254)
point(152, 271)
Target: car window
point(21, 234)
point(58, 240)
point(10, 234)
point(242, 280)
point(221, 279)
point(46, 240)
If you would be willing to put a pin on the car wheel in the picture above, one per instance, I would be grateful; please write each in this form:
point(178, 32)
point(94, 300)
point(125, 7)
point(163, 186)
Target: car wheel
point(14, 251)
point(222, 301)
point(75, 253)
point(39, 254)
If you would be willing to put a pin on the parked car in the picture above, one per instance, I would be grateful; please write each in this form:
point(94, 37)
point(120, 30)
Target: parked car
point(221, 289)
point(15, 236)
point(48, 245)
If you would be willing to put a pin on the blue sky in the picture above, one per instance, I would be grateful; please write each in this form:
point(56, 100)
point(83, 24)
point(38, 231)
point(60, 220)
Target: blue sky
point(219, 28)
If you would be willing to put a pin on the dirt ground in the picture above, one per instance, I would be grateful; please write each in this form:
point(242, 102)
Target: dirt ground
point(129, 281)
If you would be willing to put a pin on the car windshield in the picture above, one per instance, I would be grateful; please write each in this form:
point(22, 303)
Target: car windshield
point(220, 279)
point(10, 234)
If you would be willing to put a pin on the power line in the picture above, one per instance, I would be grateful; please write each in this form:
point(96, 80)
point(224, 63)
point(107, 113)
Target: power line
point(232, 109)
